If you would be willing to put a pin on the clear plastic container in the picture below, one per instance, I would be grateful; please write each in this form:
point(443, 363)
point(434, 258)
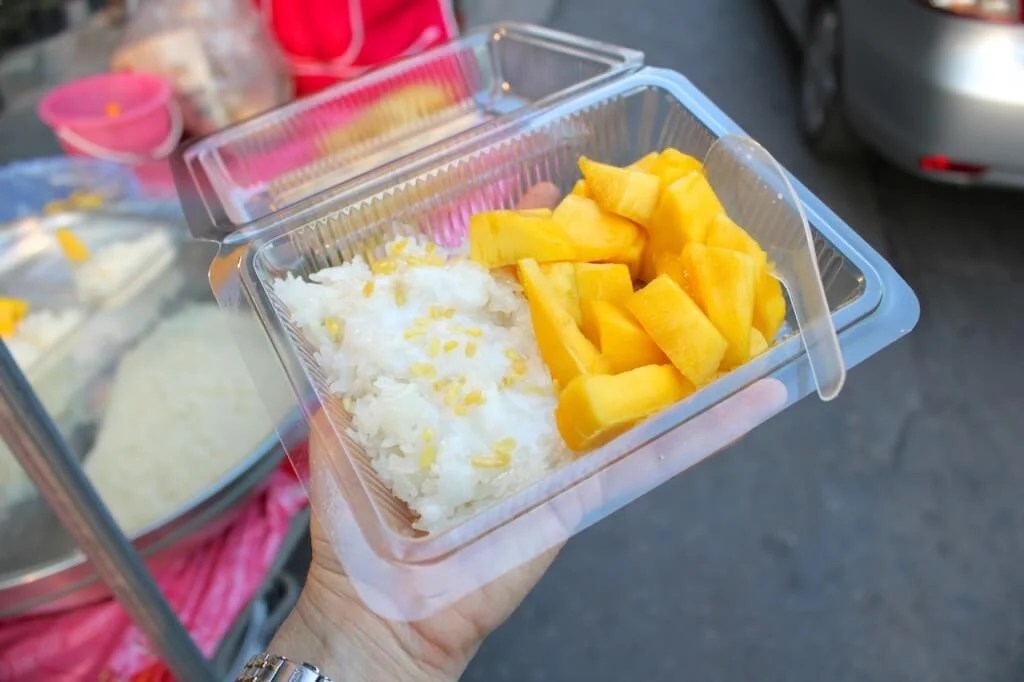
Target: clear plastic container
point(247, 172)
point(75, 378)
point(406, 575)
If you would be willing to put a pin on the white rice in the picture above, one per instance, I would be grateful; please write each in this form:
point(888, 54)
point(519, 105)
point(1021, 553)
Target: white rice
point(39, 332)
point(182, 412)
point(121, 268)
point(399, 409)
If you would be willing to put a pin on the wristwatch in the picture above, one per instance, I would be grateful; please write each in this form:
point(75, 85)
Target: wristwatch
point(270, 668)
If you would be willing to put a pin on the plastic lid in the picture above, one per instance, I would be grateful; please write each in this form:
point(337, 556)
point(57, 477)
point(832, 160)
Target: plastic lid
point(269, 163)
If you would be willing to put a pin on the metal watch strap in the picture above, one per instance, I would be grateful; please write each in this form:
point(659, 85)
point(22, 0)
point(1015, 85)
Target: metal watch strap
point(270, 668)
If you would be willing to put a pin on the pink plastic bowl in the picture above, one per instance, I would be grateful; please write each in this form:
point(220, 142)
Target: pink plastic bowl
point(79, 113)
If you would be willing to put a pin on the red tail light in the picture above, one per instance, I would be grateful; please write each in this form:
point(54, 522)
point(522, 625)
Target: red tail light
point(940, 163)
point(1003, 11)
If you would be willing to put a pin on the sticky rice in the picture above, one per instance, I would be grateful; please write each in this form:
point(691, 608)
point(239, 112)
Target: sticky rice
point(435, 359)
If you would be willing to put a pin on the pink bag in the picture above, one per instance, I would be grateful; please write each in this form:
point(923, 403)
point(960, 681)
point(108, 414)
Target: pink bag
point(207, 587)
point(331, 40)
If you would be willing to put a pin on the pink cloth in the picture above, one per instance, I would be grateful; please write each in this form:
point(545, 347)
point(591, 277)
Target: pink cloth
point(207, 587)
point(326, 41)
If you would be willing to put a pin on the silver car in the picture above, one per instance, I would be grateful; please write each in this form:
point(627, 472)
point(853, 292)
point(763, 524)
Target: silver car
point(936, 86)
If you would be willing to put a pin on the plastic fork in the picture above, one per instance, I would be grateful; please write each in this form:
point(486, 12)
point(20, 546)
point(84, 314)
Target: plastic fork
point(756, 193)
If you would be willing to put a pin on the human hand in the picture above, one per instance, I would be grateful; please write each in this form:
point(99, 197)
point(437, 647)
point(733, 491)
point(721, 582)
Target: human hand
point(332, 627)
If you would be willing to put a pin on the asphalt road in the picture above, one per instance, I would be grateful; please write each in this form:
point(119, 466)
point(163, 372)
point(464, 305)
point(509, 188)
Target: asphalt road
point(879, 537)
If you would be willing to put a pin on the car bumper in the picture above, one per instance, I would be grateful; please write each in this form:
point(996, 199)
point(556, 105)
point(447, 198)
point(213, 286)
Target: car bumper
point(921, 84)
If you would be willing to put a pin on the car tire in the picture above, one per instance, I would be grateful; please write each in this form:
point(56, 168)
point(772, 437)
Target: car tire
point(823, 121)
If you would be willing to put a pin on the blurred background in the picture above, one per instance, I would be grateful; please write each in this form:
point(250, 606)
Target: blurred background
point(878, 537)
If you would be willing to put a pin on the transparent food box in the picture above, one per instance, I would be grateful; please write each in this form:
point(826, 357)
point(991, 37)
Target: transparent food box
point(403, 573)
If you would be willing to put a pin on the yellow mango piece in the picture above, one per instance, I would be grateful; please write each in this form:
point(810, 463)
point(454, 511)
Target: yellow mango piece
point(500, 238)
point(673, 157)
point(769, 305)
point(648, 262)
point(86, 201)
point(684, 213)
point(563, 280)
point(633, 256)
point(621, 339)
point(672, 164)
point(758, 344)
point(680, 328)
point(12, 311)
point(580, 189)
point(595, 234)
point(17, 307)
point(673, 265)
point(563, 347)
point(726, 234)
point(604, 282)
point(8, 325)
point(725, 281)
point(593, 409)
point(73, 248)
point(646, 163)
point(629, 193)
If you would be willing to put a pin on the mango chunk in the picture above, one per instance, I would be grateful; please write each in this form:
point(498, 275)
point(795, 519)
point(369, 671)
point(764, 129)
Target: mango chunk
point(17, 307)
point(671, 264)
point(593, 410)
point(580, 189)
point(675, 266)
point(685, 212)
point(725, 281)
point(769, 305)
point(645, 164)
point(680, 328)
point(673, 157)
point(73, 247)
point(628, 193)
point(563, 347)
point(621, 339)
point(633, 256)
point(672, 164)
point(8, 324)
point(563, 280)
point(500, 238)
point(683, 215)
point(12, 312)
point(758, 344)
point(604, 282)
point(726, 234)
point(595, 234)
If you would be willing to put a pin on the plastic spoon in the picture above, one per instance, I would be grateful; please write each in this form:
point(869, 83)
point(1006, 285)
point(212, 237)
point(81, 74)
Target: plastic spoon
point(757, 195)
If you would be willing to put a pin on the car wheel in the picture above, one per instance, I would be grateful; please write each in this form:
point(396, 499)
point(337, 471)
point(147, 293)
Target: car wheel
point(822, 117)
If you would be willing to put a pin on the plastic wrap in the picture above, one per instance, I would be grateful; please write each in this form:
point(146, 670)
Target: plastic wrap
point(224, 65)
